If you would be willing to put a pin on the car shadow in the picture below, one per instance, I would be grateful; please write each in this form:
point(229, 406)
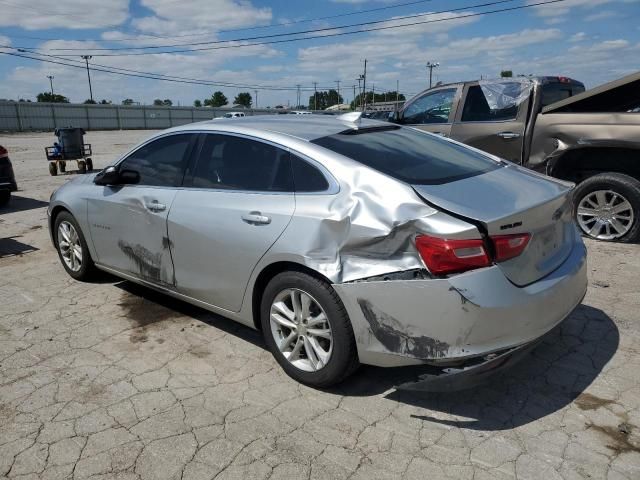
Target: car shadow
point(163, 306)
point(552, 376)
point(20, 204)
point(10, 247)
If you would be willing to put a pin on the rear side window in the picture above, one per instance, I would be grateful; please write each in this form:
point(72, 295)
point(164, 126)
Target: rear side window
point(493, 102)
point(306, 177)
point(160, 162)
point(237, 163)
point(554, 92)
point(409, 155)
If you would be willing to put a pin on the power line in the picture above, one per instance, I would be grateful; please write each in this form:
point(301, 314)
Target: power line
point(335, 34)
point(156, 76)
point(258, 27)
point(279, 35)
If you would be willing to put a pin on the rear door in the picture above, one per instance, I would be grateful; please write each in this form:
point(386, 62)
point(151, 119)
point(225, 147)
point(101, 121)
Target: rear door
point(433, 111)
point(493, 117)
point(128, 223)
point(233, 208)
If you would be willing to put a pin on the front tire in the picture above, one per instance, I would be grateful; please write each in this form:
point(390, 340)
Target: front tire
point(607, 207)
point(72, 248)
point(307, 329)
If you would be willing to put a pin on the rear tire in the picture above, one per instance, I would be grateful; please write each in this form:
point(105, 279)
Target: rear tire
point(89, 163)
point(68, 237)
point(63, 167)
point(82, 166)
point(342, 359)
point(607, 207)
point(53, 169)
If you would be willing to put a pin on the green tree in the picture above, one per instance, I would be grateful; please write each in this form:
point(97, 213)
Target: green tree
point(218, 99)
point(157, 102)
point(88, 101)
point(48, 97)
point(244, 99)
point(128, 101)
point(167, 103)
point(197, 103)
point(323, 100)
point(105, 102)
point(379, 97)
point(506, 74)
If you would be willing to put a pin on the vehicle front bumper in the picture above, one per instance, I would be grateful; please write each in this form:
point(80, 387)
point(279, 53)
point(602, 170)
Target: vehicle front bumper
point(451, 321)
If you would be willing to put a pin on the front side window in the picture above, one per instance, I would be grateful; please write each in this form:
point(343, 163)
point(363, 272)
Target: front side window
point(493, 102)
point(160, 162)
point(409, 155)
point(434, 107)
point(237, 163)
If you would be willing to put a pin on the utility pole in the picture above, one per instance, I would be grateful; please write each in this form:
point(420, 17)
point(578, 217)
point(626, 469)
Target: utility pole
point(338, 82)
point(431, 66)
point(50, 77)
point(315, 95)
point(298, 97)
point(86, 59)
point(397, 93)
point(373, 89)
point(360, 89)
point(364, 86)
point(354, 97)
point(256, 92)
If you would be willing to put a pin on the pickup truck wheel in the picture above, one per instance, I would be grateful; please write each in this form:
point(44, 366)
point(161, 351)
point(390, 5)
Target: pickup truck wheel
point(607, 207)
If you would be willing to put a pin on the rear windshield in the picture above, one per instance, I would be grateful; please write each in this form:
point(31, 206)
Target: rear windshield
point(409, 155)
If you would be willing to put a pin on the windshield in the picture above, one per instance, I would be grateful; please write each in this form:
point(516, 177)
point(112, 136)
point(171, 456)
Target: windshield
point(409, 155)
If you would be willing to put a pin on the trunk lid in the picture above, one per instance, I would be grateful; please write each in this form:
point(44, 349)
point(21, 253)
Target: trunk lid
point(514, 200)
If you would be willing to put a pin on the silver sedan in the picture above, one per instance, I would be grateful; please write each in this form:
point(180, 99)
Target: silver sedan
point(344, 240)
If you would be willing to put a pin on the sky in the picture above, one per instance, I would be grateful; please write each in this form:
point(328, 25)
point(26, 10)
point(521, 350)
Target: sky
point(593, 41)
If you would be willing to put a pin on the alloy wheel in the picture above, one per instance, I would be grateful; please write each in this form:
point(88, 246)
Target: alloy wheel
point(301, 330)
point(605, 215)
point(70, 246)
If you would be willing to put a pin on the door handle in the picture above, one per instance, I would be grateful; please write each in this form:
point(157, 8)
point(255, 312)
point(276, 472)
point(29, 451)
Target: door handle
point(509, 135)
point(154, 206)
point(256, 218)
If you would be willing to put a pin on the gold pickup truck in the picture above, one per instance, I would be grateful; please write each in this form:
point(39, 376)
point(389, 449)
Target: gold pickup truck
point(552, 125)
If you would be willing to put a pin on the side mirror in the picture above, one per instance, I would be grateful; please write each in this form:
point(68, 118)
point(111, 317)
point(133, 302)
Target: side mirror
point(108, 176)
point(111, 176)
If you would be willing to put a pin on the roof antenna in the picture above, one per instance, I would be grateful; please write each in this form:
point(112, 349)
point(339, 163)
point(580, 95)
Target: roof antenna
point(351, 117)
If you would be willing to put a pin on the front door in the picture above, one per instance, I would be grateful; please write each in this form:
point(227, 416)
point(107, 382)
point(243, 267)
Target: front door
point(237, 203)
point(493, 118)
point(128, 223)
point(433, 111)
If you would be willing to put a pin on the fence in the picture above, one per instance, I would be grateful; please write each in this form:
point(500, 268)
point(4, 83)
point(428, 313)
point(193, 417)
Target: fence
point(26, 116)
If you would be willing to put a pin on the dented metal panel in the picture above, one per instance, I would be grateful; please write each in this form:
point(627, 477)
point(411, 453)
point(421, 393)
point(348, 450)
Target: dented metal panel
point(463, 316)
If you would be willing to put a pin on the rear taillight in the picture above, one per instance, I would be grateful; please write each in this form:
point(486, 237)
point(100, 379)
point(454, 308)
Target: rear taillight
point(509, 246)
point(444, 256)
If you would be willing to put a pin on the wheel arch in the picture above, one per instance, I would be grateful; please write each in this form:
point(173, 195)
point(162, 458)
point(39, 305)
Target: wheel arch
point(265, 276)
point(55, 211)
point(578, 164)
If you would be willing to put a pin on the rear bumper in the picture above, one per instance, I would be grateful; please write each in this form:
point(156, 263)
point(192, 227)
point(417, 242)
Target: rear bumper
point(451, 321)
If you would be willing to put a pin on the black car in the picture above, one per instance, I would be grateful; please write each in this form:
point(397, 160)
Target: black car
point(7, 178)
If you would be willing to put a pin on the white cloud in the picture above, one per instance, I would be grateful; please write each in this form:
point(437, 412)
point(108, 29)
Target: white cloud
point(578, 37)
point(67, 14)
point(600, 16)
point(560, 9)
point(5, 40)
point(211, 15)
point(441, 22)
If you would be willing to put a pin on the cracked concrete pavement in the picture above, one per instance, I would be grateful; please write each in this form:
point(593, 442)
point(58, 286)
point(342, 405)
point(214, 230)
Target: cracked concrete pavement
point(111, 380)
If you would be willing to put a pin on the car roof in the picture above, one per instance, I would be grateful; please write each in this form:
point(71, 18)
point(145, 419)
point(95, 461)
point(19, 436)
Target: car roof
point(305, 127)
